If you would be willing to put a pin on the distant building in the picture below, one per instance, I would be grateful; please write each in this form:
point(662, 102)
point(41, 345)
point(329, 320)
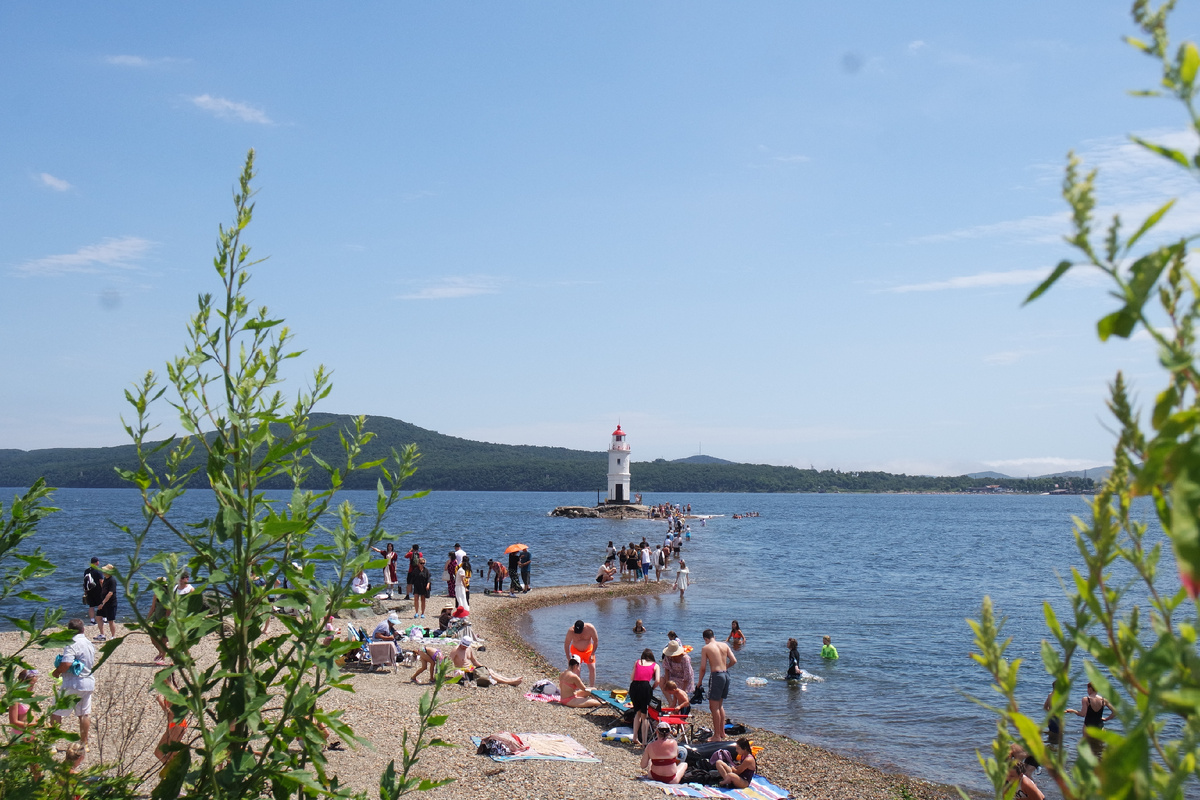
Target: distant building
point(618, 469)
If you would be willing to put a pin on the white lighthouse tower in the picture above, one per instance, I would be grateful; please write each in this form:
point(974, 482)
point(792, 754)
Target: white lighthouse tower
point(618, 469)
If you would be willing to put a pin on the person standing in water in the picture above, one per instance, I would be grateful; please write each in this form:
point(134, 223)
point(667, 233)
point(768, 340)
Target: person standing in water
point(736, 638)
point(1092, 710)
point(827, 648)
point(682, 578)
point(793, 670)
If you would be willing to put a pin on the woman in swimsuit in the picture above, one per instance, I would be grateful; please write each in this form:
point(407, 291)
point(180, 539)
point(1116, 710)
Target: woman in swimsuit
point(736, 638)
point(175, 729)
point(661, 758)
point(641, 692)
point(793, 670)
point(390, 577)
point(739, 775)
point(1092, 710)
point(18, 713)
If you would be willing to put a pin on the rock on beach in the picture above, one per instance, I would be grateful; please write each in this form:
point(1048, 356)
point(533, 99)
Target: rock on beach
point(127, 722)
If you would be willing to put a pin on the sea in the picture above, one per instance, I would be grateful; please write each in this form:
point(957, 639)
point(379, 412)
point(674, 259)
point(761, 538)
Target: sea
point(891, 578)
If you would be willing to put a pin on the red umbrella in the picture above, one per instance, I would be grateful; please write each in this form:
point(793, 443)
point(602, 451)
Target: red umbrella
point(512, 548)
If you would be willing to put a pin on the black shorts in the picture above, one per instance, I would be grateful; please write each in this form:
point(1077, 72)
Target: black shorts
point(640, 695)
point(108, 611)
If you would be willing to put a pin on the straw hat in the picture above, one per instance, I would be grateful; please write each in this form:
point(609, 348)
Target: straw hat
point(673, 649)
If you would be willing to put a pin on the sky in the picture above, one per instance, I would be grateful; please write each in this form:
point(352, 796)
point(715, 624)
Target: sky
point(783, 232)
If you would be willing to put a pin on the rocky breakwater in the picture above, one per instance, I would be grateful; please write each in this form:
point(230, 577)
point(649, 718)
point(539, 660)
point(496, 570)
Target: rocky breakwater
point(605, 511)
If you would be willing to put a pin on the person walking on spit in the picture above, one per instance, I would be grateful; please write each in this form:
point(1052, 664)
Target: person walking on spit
point(572, 692)
point(74, 666)
point(420, 588)
point(514, 572)
point(524, 562)
point(642, 680)
point(108, 604)
point(580, 643)
point(451, 575)
point(827, 649)
point(682, 578)
point(92, 593)
point(716, 657)
point(646, 562)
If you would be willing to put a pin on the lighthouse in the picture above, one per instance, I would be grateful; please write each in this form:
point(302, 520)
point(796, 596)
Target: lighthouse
point(618, 469)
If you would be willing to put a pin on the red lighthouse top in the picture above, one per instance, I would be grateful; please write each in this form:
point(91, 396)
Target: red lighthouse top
point(618, 431)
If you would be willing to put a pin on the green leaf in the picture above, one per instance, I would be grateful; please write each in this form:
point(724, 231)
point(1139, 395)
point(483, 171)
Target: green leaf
point(1189, 60)
point(1058, 272)
point(1166, 152)
point(1149, 223)
point(1120, 323)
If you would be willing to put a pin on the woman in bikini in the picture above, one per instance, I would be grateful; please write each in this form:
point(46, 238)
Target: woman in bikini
point(660, 759)
point(175, 729)
point(736, 638)
point(18, 713)
point(740, 774)
point(1092, 710)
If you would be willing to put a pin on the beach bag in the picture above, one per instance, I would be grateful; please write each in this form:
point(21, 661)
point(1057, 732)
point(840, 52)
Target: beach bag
point(697, 696)
point(699, 756)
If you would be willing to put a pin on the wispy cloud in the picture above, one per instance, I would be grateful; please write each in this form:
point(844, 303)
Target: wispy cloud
point(229, 109)
point(111, 254)
point(51, 182)
point(1040, 465)
point(981, 280)
point(141, 62)
point(915, 46)
point(455, 287)
point(1006, 357)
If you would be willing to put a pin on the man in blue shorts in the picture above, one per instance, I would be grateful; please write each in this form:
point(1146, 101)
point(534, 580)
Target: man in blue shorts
point(717, 657)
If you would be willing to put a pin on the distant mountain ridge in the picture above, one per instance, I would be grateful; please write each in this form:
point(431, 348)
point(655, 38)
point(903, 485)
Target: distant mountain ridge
point(1097, 474)
point(450, 463)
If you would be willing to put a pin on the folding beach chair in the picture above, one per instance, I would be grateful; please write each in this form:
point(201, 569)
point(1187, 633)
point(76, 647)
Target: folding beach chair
point(680, 723)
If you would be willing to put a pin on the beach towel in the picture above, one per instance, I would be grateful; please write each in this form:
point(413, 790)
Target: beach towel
point(547, 747)
point(759, 789)
point(540, 698)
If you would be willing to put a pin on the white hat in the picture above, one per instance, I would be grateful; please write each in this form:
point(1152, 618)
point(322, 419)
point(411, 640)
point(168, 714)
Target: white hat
point(464, 641)
point(393, 617)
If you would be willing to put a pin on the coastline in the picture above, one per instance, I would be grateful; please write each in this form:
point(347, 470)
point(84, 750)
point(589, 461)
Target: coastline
point(127, 721)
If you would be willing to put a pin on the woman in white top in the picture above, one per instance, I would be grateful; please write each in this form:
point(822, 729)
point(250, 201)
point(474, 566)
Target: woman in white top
point(682, 578)
point(361, 582)
point(460, 587)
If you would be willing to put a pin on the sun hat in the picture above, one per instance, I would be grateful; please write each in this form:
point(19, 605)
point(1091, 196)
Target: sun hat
point(663, 726)
point(393, 617)
point(460, 612)
point(464, 641)
point(673, 649)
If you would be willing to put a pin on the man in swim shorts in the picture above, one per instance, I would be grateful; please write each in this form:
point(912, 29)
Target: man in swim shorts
point(581, 644)
point(571, 691)
point(717, 657)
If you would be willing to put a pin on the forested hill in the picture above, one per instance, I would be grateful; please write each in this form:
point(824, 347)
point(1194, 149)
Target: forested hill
point(451, 463)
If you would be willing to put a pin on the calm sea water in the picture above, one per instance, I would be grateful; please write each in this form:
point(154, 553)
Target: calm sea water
point(890, 577)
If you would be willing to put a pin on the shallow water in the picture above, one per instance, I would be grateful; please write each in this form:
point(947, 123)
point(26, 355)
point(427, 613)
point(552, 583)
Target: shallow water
point(890, 577)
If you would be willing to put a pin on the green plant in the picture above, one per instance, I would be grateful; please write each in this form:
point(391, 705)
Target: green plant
point(268, 572)
point(1136, 639)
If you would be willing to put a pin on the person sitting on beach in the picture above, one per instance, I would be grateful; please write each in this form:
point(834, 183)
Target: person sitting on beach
point(675, 699)
point(386, 630)
point(571, 689)
point(19, 715)
point(468, 665)
point(793, 670)
point(361, 582)
point(605, 574)
point(581, 642)
point(736, 638)
point(827, 649)
point(1020, 766)
point(740, 774)
point(661, 757)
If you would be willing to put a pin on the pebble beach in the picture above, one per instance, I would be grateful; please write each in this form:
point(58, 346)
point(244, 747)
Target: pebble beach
point(127, 722)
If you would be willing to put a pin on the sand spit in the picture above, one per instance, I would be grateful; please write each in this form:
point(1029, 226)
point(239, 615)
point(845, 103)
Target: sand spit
point(127, 722)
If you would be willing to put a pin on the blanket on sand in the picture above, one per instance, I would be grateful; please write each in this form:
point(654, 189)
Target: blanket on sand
point(759, 789)
point(547, 747)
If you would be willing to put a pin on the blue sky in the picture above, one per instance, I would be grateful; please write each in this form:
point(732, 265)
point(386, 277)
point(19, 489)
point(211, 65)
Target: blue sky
point(790, 233)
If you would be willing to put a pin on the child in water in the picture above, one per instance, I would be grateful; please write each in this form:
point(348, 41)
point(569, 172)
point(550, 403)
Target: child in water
point(736, 638)
point(638, 627)
point(828, 650)
point(793, 670)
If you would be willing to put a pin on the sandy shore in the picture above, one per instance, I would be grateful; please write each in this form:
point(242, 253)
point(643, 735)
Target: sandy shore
point(127, 722)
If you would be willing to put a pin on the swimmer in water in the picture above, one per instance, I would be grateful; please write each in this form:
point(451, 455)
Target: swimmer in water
point(793, 670)
point(736, 638)
point(638, 627)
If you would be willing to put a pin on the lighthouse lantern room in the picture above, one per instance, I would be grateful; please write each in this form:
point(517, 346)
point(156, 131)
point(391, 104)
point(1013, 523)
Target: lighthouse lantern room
point(618, 469)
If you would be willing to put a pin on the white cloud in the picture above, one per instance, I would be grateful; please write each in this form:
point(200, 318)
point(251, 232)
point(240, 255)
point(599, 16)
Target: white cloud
point(141, 62)
point(57, 184)
point(1005, 357)
point(1039, 465)
point(915, 46)
point(792, 159)
point(982, 280)
point(110, 254)
point(228, 109)
point(455, 287)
